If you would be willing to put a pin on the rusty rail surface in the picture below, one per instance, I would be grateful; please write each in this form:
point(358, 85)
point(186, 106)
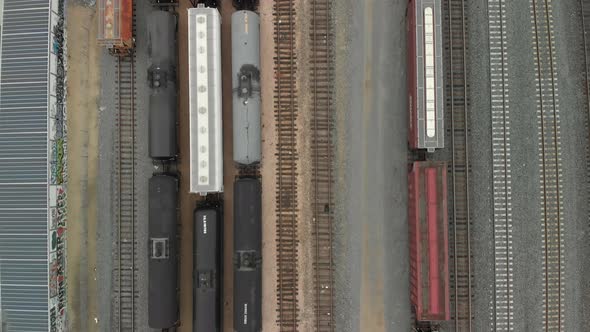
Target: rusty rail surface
point(285, 108)
point(322, 181)
point(457, 104)
point(125, 270)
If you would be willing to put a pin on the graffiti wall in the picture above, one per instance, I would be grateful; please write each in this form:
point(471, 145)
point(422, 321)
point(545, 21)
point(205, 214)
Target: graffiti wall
point(57, 171)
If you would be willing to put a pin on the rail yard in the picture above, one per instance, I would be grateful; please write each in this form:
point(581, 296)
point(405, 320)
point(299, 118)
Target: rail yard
point(324, 165)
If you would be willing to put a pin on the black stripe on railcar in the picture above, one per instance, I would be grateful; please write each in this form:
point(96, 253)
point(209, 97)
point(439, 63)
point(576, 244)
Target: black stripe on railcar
point(247, 255)
point(162, 252)
point(207, 274)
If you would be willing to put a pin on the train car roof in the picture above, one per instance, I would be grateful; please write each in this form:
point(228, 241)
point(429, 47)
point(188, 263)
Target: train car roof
point(247, 300)
point(247, 215)
point(207, 239)
point(162, 292)
point(205, 103)
point(161, 29)
point(163, 191)
point(162, 252)
point(428, 71)
point(427, 216)
point(207, 312)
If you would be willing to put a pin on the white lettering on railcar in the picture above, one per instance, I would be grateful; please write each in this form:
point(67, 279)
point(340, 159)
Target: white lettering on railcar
point(245, 313)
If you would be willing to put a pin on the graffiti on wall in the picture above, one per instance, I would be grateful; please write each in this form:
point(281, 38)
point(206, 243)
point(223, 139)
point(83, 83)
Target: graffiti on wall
point(58, 182)
point(57, 261)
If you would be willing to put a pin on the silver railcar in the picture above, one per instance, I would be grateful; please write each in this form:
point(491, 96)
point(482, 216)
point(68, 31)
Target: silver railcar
point(246, 87)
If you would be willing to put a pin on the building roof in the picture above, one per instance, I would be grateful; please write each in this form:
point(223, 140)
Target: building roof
point(25, 63)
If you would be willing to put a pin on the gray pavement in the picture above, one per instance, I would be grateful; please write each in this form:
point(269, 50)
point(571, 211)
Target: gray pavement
point(371, 231)
point(106, 233)
point(481, 161)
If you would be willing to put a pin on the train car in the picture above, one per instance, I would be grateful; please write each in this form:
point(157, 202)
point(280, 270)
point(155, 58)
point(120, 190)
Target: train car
point(161, 32)
point(208, 281)
point(206, 136)
point(428, 229)
point(162, 123)
point(162, 251)
point(425, 75)
point(247, 255)
point(115, 25)
point(245, 32)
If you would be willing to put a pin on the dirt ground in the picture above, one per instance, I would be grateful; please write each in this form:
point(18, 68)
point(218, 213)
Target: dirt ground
point(83, 86)
point(268, 170)
point(304, 181)
point(187, 201)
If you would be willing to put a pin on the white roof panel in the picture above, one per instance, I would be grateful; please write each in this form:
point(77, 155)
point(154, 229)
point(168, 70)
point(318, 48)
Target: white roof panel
point(206, 142)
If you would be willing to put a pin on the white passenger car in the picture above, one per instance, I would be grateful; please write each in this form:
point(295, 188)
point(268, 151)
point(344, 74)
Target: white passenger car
point(206, 139)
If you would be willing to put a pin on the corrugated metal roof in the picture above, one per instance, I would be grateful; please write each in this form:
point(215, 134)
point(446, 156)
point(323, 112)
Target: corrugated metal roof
point(23, 164)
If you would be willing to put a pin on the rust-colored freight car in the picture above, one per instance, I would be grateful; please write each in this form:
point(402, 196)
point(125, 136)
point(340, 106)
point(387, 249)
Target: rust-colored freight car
point(115, 25)
point(429, 262)
point(425, 75)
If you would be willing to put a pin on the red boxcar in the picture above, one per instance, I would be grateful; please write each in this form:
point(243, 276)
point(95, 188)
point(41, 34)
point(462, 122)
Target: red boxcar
point(425, 75)
point(429, 260)
point(115, 25)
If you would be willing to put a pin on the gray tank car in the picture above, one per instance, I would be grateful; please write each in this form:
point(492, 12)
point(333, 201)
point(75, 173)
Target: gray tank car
point(245, 27)
point(161, 29)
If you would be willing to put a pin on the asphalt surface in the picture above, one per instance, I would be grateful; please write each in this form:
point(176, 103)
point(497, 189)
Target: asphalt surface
point(371, 233)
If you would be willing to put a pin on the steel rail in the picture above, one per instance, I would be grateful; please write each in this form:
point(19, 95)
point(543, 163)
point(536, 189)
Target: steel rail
point(460, 168)
point(321, 67)
point(286, 116)
point(545, 164)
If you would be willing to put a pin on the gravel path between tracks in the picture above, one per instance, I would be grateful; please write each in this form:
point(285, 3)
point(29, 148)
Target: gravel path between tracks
point(371, 231)
point(268, 168)
point(306, 296)
point(83, 86)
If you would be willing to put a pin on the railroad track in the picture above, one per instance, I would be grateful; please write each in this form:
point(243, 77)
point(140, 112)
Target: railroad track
point(125, 276)
point(286, 174)
point(550, 166)
point(502, 307)
point(322, 181)
point(126, 291)
point(585, 6)
point(461, 270)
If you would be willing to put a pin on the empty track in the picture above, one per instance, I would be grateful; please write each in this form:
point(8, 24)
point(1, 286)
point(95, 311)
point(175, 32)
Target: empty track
point(285, 109)
point(322, 181)
point(461, 270)
point(550, 165)
point(502, 306)
point(125, 270)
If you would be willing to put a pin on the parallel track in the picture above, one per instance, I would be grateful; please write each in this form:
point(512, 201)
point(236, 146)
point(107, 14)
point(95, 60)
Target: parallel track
point(126, 291)
point(502, 307)
point(550, 165)
point(461, 269)
point(286, 174)
point(322, 181)
point(125, 271)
